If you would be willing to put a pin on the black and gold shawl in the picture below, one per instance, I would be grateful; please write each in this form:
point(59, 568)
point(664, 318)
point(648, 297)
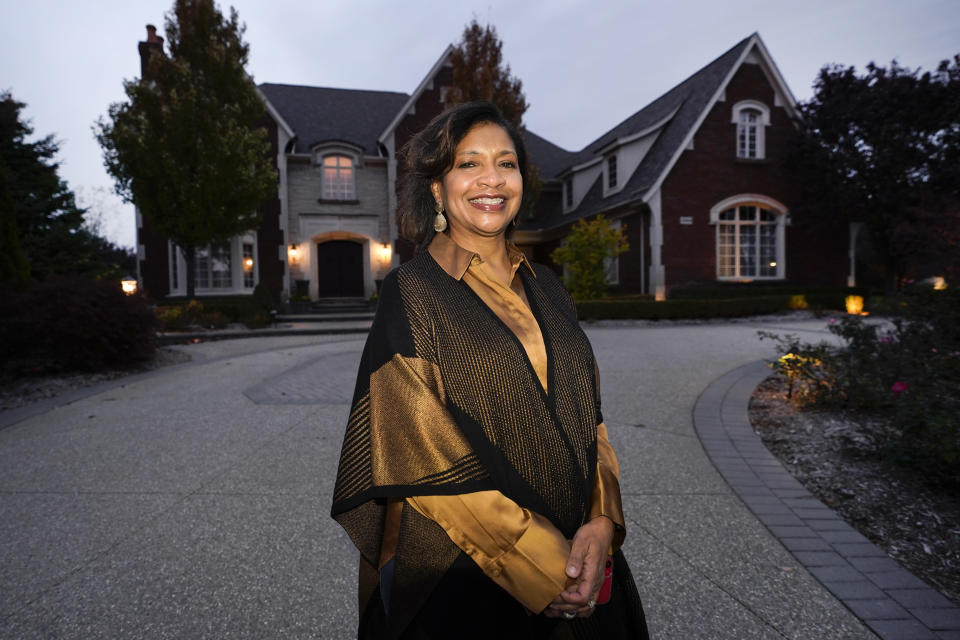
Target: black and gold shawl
point(447, 402)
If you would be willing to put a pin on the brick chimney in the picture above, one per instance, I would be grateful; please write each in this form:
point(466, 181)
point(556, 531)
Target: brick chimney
point(153, 45)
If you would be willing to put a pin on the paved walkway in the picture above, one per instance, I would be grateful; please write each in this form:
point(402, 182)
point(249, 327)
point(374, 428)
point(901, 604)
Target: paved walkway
point(192, 502)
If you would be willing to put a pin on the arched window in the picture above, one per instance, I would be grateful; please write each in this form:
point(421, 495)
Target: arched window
point(338, 178)
point(750, 239)
point(751, 118)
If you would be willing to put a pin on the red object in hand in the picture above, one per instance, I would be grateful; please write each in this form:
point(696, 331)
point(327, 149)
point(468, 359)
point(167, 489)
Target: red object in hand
point(604, 596)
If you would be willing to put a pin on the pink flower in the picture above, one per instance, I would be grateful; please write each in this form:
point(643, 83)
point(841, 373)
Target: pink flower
point(933, 350)
point(899, 387)
point(886, 339)
point(833, 321)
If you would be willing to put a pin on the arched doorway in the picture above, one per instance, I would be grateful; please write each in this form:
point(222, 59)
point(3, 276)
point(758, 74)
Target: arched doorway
point(339, 269)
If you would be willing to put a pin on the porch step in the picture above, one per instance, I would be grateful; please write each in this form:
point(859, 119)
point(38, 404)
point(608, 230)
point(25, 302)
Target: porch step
point(331, 306)
point(324, 317)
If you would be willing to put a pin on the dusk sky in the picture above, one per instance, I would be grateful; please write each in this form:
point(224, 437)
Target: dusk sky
point(585, 65)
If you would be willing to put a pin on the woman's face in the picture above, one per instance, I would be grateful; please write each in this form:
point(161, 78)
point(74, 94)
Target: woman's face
point(481, 193)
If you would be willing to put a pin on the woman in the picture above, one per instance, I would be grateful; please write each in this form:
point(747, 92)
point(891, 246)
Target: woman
point(476, 478)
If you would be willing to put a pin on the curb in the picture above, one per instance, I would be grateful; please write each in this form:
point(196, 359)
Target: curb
point(164, 339)
point(891, 601)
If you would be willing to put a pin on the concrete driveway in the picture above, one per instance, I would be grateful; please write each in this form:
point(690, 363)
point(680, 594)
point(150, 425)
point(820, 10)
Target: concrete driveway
point(193, 501)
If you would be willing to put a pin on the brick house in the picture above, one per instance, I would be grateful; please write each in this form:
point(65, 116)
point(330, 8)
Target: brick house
point(697, 177)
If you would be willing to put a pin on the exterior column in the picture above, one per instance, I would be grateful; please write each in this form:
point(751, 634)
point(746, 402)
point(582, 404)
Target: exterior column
point(658, 280)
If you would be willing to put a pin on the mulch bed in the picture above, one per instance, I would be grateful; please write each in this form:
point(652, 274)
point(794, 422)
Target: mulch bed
point(834, 455)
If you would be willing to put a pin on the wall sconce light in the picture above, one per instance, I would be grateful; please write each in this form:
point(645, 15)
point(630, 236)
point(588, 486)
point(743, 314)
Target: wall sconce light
point(248, 264)
point(293, 253)
point(385, 253)
point(129, 285)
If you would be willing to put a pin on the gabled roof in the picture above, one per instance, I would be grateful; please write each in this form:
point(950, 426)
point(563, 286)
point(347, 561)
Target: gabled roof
point(412, 99)
point(321, 114)
point(548, 157)
point(678, 114)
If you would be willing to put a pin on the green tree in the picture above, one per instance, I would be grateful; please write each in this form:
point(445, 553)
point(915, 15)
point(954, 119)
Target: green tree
point(186, 147)
point(14, 269)
point(883, 148)
point(584, 252)
point(40, 222)
point(479, 73)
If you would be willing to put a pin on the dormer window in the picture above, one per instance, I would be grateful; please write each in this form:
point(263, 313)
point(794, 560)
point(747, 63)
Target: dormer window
point(751, 118)
point(338, 178)
point(611, 172)
point(567, 193)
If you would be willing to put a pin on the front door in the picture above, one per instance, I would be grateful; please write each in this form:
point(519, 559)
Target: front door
point(340, 269)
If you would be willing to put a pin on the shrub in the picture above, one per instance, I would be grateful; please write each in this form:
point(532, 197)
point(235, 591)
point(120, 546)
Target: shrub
point(908, 369)
point(74, 324)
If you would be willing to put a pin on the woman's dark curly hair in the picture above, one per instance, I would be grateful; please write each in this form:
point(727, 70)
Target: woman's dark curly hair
point(429, 155)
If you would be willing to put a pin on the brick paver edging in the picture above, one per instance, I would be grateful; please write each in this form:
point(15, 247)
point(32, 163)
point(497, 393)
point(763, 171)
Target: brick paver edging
point(893, 602)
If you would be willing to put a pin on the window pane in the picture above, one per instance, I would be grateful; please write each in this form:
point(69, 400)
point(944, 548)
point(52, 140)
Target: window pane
point(727, 250)
point(768, 250)
point(612, 171)
point(220, 274)
point(729, 214)
point(174, 272)
point(767, 215)
point(202, 259)
point(248, 265)
point(748, 213)
point(748, 251)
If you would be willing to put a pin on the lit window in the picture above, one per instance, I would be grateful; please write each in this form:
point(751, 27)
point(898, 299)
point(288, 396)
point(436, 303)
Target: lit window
point(611, 172)
point(747, 238)
point(248, 264)
point(338, 178)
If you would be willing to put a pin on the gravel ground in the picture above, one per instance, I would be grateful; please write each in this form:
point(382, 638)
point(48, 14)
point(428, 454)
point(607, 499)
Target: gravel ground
point(833, 455)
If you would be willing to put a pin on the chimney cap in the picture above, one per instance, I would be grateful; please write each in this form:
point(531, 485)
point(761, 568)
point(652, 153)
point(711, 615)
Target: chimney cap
point(152, 34)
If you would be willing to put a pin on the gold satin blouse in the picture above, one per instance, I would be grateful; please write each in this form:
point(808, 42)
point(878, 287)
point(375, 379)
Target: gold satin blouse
point(518, 549)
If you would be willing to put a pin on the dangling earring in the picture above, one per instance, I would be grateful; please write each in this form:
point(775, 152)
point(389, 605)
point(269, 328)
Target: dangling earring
point(439, 221)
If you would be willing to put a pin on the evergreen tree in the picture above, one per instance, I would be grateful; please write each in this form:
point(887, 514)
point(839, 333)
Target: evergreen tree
point(584, 253)
point(479, 73)
point(883, 149)
point(40, 222)
point(186, 147)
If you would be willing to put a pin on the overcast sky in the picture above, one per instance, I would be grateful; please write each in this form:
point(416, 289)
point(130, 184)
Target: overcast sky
point(585, 64)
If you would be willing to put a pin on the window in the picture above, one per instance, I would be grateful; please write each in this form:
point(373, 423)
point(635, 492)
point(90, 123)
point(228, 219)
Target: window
point(611, 172)
point(174, 268)
point(748, 239)
point(752, 118)
point(338, 178)
point(213, 267)
point(611, 266)
point(747, 133)
point(229, 267)
point(567, 193)
point(248, 264)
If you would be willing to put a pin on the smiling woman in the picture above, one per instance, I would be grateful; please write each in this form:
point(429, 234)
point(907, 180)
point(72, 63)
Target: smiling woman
point(476, 477)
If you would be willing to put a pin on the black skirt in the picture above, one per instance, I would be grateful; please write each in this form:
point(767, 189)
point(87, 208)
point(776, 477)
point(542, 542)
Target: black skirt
point(467, 604)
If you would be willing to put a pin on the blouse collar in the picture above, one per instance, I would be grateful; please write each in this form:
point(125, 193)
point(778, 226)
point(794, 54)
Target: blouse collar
point(455, 260)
